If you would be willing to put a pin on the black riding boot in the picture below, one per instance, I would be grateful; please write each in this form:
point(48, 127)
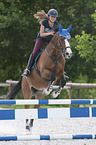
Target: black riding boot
point(29, 66)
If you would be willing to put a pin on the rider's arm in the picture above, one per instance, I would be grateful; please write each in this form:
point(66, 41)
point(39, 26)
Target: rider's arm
point(42, 34)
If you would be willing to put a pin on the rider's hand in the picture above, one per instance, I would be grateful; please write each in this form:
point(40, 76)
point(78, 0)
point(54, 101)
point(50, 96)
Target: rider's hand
point(52, 33)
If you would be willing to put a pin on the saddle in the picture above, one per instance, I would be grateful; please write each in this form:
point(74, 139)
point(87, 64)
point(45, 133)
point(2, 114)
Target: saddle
point(37, 56)
point(35, 65)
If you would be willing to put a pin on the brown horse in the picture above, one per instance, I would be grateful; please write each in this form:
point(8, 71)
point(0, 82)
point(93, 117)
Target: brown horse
point(48, 68)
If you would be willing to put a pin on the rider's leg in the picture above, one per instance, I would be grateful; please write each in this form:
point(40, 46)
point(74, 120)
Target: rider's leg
point(39, 43)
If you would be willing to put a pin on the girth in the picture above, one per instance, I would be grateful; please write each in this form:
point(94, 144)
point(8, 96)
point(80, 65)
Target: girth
point(38, 72)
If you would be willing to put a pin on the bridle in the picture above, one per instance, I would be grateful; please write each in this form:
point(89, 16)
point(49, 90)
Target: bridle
point(61, 50)
point(61, 47)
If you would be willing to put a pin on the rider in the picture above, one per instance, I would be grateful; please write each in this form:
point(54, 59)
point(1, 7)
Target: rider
point(48, 27)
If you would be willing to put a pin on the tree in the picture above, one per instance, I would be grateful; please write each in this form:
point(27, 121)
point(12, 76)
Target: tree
point(16, 37)
point(87, 49)
point(87, 46)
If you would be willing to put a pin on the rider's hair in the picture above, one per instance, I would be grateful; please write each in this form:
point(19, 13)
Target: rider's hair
point(40, 15)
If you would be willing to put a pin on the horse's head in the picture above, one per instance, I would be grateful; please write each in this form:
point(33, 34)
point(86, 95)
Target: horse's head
point(64, 36)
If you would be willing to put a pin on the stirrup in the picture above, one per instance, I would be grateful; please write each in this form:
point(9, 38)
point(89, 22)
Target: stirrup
point(26, 73)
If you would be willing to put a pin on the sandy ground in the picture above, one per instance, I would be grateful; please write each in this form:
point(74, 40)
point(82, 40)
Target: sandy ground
point(47, 127)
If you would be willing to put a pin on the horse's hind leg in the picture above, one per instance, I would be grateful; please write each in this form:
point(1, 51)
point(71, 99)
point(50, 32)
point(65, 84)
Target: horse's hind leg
point(27, 93)
point(39, 95)
point(29, 123)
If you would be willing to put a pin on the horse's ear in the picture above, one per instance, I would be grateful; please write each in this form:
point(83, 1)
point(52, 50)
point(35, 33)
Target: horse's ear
point(68, 29)
point(60, 28)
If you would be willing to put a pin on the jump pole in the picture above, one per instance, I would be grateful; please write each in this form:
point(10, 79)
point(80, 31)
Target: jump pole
point(47, 137)
point(47, 102)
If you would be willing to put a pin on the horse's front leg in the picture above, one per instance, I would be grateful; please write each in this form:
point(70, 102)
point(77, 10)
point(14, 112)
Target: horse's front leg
point(49, 76)
point(49, 89)
point(59, 89)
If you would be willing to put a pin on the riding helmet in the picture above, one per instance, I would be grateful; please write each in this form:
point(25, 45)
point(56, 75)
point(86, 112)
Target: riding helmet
point(52, 12)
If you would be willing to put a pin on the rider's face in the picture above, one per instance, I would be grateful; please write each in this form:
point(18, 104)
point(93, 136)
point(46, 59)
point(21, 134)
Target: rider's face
point(52, 18)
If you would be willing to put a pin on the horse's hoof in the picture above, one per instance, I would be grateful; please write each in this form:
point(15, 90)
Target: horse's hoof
point(31, 122)
point(46, 92)
point(28, 127)
point(54, 94)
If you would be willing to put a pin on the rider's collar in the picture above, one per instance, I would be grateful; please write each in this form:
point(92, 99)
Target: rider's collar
point(51, 21)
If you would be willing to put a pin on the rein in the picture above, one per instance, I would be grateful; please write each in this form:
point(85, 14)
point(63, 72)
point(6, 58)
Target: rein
point(60, 50)
point(54, 58)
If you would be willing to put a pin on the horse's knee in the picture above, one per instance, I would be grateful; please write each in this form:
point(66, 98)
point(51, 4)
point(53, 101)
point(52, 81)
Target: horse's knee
point(63, 82)
point(53, 77)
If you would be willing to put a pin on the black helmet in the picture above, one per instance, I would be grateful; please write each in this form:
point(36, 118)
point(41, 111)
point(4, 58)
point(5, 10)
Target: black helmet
point(52, 12)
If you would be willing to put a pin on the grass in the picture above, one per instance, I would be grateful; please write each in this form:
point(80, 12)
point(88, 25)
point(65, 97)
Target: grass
point(45, 106)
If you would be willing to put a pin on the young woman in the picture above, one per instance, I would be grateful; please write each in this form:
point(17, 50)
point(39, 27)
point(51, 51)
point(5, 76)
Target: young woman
point(48, 27)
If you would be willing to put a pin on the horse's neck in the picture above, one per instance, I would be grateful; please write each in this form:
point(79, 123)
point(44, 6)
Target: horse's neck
point(55, 41)
point(53, 47)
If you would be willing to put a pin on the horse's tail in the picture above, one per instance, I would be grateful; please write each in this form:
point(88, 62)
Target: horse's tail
point(15, 90)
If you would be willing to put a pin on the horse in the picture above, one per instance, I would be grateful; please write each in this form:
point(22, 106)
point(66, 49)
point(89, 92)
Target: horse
point(48, 67)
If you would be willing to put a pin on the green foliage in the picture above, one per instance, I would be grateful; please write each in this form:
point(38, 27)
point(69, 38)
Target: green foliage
point(87, 49)
point(86, 46)
point(94, 17)
point(15, 38)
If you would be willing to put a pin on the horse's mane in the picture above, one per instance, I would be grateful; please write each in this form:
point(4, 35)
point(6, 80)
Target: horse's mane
point(40, 15)
point(55, 39)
